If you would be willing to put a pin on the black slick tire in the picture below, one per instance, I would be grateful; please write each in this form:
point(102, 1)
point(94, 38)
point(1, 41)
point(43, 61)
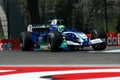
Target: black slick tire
point(99, 33)
point(55, 40)
point(26, 43)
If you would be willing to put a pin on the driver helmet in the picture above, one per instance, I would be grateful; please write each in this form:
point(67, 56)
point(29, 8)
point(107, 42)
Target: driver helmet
point(61, 28)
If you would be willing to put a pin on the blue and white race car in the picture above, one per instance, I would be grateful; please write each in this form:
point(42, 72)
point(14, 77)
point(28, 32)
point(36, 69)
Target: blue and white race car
point(56, 37)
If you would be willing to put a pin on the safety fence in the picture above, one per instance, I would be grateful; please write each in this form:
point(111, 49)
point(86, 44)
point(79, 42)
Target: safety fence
point(113, 39)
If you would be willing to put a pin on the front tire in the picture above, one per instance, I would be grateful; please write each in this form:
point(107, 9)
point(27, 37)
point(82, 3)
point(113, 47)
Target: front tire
point(55, 40)
point(99, 33)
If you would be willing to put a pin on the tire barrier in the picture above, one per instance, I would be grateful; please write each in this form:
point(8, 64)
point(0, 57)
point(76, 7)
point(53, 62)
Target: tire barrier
point(9, 44)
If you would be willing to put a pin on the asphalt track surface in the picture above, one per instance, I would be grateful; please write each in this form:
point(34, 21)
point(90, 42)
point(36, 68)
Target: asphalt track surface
point(110, 56)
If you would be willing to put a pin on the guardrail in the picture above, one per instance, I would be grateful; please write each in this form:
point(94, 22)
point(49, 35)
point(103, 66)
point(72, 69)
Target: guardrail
point(113, 39)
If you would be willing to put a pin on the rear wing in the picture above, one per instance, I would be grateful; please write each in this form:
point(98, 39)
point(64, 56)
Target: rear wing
point(38, 27)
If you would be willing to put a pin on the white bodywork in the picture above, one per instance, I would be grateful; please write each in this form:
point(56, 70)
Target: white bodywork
point(81, 39)
point(95, 41)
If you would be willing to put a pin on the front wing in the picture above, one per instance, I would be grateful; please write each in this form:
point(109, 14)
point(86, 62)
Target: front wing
point(90, 42)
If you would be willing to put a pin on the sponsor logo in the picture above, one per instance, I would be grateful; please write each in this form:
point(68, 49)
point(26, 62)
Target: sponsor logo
point(113, 39)
point(118, 39)
point(5, 46)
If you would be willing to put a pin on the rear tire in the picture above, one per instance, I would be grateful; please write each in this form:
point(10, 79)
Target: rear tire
point(99, 33)
point(26, 43)
point(55, 40)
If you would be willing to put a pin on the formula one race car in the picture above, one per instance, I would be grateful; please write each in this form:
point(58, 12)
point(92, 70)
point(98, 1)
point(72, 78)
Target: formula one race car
point(56, 37)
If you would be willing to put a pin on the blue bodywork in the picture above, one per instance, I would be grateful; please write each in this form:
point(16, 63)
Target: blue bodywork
point(77, 38)
point(72, 37)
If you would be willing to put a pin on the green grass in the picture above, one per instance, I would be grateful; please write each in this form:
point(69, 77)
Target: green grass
point(1, 36)
point(111, 25)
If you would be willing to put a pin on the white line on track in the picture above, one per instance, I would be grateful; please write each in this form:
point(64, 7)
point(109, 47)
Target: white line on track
point(109, 51)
